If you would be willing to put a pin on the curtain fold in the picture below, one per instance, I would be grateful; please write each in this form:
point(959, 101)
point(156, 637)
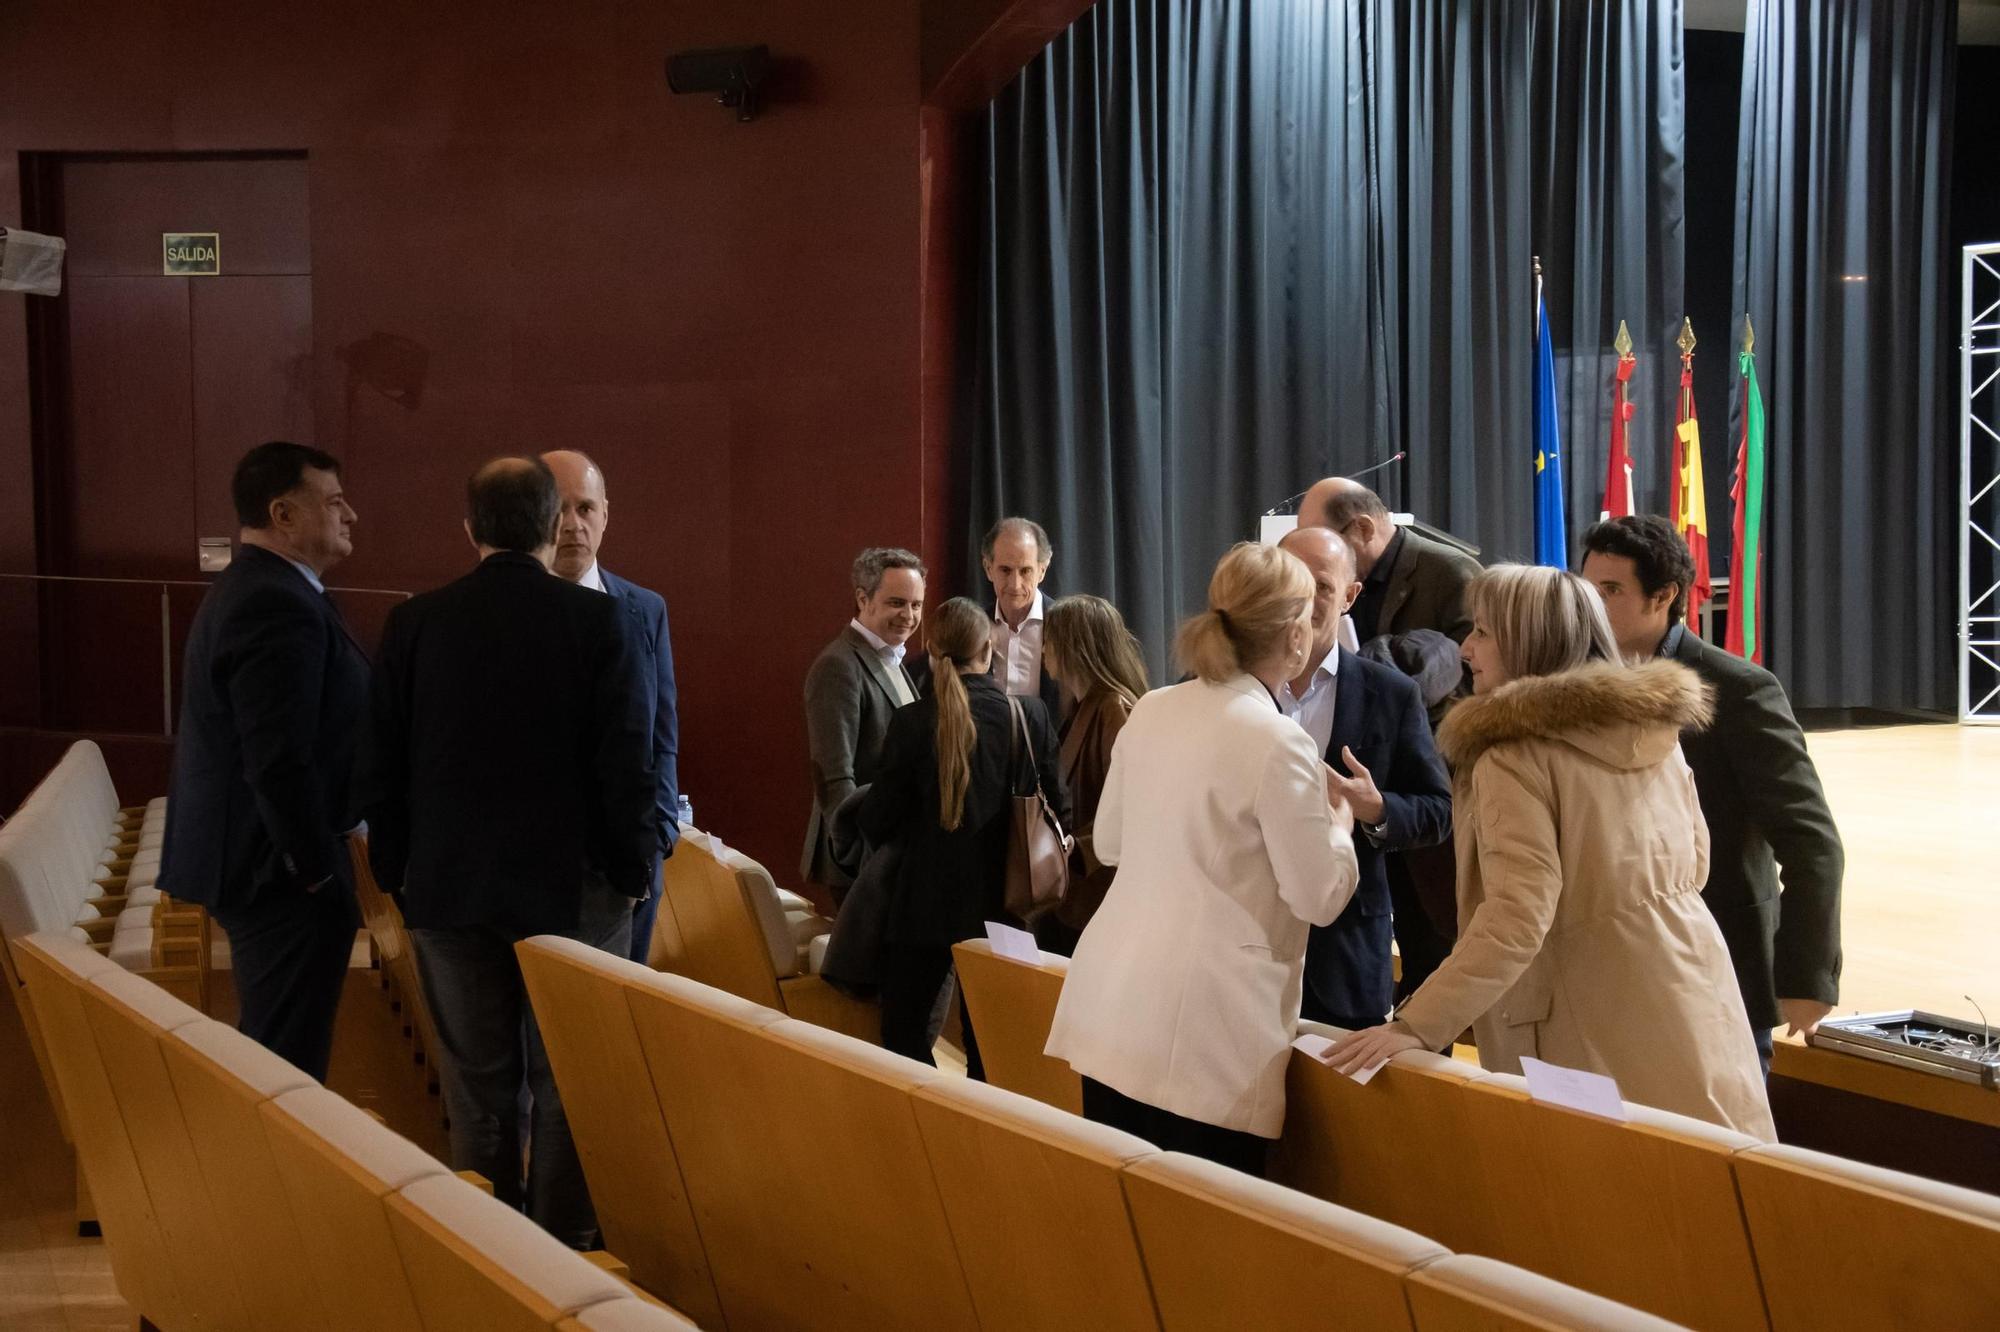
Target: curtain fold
point(1841, 201)
point(1235, 245)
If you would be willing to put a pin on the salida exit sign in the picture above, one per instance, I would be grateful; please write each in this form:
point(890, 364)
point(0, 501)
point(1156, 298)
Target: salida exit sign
point(192, 253)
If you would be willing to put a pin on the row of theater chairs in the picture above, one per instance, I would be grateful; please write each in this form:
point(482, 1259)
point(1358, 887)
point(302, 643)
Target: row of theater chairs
point(1664, 1213)
point(760, 1172)
point(72, 860)
point(394, 951)
point(237, 1193)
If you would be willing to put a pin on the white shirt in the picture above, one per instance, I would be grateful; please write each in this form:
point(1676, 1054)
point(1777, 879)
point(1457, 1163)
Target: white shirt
point(892, 659)
point(1314, 711)
point(305, 569)
point(593, 580)
point(1017, 653)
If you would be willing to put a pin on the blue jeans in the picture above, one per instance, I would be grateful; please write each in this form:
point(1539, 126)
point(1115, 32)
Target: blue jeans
point(492, 1048)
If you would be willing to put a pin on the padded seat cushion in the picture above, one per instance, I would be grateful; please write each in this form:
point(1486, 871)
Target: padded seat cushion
point(393, 1161)
point(517, 1246)
point(149, 1001)
point(631, 1315)
point(265, 1074)
point(132, 943)
point(816, 954)
point(1031, 1119)
point(761, 892)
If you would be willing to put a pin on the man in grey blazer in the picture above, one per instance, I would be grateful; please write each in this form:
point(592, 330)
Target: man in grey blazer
point(854, 686)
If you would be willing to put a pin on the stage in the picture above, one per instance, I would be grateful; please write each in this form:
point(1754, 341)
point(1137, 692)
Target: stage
point(1919, 811)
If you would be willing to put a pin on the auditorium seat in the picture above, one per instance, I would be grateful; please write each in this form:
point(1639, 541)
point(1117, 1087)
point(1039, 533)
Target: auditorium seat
point(628, 1156)
point(1337, 1137)
point(339, 1168)
point(221, 1076)
point(476, 1263)
point(1843, 1245)
point(131, 1019)
point(1013, 1005)
point(1037, 1208)
point(1464, 1293)
point(1225, 1250)
point(396, 954)
point(808, 1175)
point(729, 925)
point(1644, 1212)
point(56, 969)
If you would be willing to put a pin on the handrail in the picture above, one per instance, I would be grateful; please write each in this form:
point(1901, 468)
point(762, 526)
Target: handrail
point(167, 620)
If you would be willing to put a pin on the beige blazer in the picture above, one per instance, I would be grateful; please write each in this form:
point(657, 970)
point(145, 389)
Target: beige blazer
point(1583, 939)
point(1184, 992)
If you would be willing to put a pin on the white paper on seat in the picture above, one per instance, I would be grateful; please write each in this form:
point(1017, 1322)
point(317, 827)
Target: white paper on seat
point(1314, 1046)
point(1574, 1089)
point(1016, 944)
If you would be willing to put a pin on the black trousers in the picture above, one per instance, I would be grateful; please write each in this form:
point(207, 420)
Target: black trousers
point(289, 952)
point(1175, 1133)
point(913, 981)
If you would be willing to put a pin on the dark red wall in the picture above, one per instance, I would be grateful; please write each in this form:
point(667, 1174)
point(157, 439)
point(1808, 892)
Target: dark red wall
point(729, 317)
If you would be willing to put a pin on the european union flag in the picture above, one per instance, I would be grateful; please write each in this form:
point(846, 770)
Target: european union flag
point(1551, 528)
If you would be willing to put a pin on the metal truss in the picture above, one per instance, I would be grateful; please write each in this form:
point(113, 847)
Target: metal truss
point(1979, 491)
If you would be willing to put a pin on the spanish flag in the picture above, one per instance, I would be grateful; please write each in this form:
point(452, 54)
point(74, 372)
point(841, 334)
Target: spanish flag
point(1689, 510)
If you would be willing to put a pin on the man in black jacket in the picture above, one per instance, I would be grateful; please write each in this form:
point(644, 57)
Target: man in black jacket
point(1369, 721)
point(273, 690)
point(1760, 793)
point(507, 780)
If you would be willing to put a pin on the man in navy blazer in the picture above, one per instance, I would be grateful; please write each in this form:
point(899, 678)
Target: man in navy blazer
point(586, 512)
point(1369, 721)
point(272, 695)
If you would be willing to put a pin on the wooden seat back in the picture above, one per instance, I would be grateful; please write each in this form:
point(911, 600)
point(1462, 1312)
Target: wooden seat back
point(832, 1222)
point(1012, 1006)
point(132, 1019)
point(1225, 1249)
point(1469, 1294)
point(1843, 1245)
point(474, 1262)
point(1643, 1212)
point(339, 1166)
point(1037, 1208)
point(56, 969)
point(220, 1077)
point(719, 941)
point(628, 1154)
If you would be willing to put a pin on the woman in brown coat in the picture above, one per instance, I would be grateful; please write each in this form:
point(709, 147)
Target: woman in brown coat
point(1090, 652)
point(1583, 939)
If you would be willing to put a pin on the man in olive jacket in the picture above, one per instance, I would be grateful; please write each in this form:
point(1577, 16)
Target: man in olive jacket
point(1760, 793)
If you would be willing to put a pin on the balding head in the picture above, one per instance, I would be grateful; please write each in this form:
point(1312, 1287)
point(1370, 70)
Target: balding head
point(511, 505)
point(585, 511)
point(1331, 562)
point(1354, 511)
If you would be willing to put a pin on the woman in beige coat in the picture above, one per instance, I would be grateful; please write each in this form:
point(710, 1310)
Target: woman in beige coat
point(1583, 939)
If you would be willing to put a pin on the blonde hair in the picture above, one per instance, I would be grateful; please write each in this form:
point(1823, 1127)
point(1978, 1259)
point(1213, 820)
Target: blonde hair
point(1085, 638)
point(1541, 620)
point(954, 633)
point(1255, 596)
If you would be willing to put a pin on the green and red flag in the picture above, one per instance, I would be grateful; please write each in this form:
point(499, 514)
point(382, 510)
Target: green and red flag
point(1746, 585)
point(1687, 509)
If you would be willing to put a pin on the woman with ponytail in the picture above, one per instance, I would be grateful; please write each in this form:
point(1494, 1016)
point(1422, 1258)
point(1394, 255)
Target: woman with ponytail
point(942, 792)
point(1183, 997)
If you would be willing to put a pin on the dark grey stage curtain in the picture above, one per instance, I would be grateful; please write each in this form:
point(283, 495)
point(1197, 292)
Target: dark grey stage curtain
point(1234, 245)
point(1841, 205)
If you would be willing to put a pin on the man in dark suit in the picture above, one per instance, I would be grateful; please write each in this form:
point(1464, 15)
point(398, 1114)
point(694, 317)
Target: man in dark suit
point(1408, 582)
point(853, 686)
point(1015, 558)
point(586, 512)
point(1369, 721)
point(273, 691)
point(508, 784)
point(1760, 793)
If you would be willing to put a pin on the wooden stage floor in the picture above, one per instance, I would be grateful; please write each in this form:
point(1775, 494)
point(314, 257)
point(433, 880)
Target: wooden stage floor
point(1918, 809)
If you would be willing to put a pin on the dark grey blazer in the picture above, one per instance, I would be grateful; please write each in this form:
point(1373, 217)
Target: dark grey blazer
point(849, 700)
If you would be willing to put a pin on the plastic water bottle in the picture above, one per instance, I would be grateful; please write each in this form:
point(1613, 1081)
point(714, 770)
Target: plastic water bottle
point(686, 814)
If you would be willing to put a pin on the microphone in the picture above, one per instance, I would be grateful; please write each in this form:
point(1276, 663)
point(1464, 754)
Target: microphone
point(1285, 505)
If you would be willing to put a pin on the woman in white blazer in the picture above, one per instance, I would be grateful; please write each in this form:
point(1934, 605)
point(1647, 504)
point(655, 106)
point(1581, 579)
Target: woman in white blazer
point(1183, 996)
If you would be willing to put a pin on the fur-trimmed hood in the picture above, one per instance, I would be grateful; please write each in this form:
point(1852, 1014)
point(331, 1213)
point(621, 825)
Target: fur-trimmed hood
point(1623, 716)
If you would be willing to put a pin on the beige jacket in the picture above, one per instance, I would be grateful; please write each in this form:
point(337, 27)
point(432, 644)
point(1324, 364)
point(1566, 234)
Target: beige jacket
point(1583, 939)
